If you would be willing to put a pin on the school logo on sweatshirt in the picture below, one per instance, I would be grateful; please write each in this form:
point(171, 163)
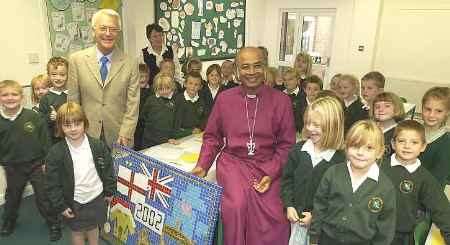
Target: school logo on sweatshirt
point(375, 204)
point(406, 186)
point(28, 127)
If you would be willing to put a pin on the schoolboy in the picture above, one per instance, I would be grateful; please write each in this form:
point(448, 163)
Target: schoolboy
point(416, 187)
point(372, 84)
point(228, 80)
point(24, 141)
point(348, 90)
point(298, 98)
point(146, 91)
point(57, 68)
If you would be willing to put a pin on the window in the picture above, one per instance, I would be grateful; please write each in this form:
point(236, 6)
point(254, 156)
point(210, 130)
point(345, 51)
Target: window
point(310, 31)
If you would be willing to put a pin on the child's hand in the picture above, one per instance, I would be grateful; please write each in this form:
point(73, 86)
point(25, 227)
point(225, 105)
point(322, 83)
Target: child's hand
point(263, 184)
point(174, 142)
point(52, 113)
point(196, 131)
point(292, 215)
point(306, 220)
point(68, 213)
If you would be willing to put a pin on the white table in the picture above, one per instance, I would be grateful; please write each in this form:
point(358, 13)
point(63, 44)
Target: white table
point(183, 156)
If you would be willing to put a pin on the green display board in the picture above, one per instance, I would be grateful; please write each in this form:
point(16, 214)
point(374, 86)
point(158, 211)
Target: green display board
point(69, 24)
point(207, 29)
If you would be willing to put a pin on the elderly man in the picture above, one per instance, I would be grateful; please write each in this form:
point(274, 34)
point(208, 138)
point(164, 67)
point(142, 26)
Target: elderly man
point(252, 127)
point(105, 82)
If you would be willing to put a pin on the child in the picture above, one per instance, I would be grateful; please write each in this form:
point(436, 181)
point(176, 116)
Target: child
point(435, 112)
point(213, 87)
point(39, 88)
point(158, 113)
point(228, 80)
point(371, 84)
point(24, 142)
point(274, 78)
point(146, 91)
point(298, 99)
point(313, 85)
point(416, 187)
point(387, 110)
point(355, 202)
point(308, 160)
point(167, 66)
point(303, 66)
point(57, 95)
point(191, 111)
point(334, 82)
point(80, 178)
point(348, 90)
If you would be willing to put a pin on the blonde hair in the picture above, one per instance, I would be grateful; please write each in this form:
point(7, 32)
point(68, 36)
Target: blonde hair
point(438, 93)
point(331, 121)
point(163, 80)
point(353, 80)
point(41, 78)
point(307, 59)
point(291, 72)
point(108, 12)
point(11, 84)
point(399, 110)
point(69, 112)
point(365, 132)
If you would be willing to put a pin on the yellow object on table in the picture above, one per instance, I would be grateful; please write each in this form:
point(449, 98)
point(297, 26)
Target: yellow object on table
point(190, 158)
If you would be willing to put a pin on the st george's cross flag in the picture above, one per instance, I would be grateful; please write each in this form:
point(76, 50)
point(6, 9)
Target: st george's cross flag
point(131, 184)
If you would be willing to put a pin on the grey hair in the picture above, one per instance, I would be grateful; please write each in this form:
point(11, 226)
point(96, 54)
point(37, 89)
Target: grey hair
point(108, 12)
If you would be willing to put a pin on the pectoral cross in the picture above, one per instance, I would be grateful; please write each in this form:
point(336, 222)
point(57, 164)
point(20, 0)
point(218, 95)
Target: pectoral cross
point(251, 147)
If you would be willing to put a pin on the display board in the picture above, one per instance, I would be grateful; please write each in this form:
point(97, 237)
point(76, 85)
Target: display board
point(69, 23)
point(206, 29)
point(159, 204)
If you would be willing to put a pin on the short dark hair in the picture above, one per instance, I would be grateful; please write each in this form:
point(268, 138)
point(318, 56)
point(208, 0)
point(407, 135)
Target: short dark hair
point(152, 27)
point(376, 76)
point(314, 79)
point(410, 125)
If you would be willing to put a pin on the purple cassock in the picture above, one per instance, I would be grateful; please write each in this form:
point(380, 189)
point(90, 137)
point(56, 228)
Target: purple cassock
point(250, 217)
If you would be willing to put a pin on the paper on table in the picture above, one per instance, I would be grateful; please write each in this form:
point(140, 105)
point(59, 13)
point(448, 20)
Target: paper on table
point(165, 152)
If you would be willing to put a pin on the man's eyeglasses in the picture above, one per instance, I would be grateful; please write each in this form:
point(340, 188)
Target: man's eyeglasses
point(105, 29)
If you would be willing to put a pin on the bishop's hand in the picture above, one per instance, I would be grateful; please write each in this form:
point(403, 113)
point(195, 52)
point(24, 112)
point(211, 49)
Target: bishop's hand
point(199, 171)
point(263, 185)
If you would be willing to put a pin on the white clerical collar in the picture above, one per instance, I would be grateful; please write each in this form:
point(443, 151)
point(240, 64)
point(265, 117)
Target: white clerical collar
point(100, 55)
point(431, 136)
point(316, 157)
point(169, 97)
point(348, 103)
point(411, 168)
point(295, 91)
point(58, 92)
point(12, 117)
point(188, 98)
point(373, 173)
point(151, 51)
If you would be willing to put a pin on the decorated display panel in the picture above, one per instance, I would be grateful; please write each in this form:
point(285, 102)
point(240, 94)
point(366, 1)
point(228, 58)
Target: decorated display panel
point(159, 204)
point(69, 23)
point(207, 29)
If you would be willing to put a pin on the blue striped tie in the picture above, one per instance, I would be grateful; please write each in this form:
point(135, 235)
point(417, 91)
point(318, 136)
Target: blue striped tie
point(104, 68)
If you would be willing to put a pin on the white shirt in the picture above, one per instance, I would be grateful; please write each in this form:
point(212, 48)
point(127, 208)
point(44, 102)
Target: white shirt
point(188, 98)
point(100, 55)
point(58, 92)
point(372, 173)
point(411, 168)
point(13, 117)
point(159, 57)
point(87, 182)
point(348, 103)
point(295, 91)
point(213, 91)
point(316, 157)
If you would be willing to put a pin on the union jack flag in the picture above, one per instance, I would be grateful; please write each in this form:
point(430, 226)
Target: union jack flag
point(158, 187)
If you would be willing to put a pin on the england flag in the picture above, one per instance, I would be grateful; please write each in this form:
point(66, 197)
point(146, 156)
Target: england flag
point(131, 184)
